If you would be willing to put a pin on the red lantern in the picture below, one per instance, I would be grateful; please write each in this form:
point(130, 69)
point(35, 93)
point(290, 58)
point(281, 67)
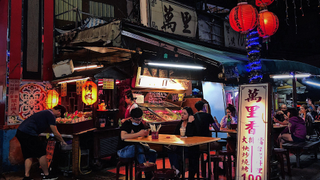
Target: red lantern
point(260, 3)
point(52, 99)
point(268, 24)
point(89, 93)
point(243, 17)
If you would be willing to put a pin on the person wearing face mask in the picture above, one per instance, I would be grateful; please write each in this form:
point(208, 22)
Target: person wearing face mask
point(133, 128)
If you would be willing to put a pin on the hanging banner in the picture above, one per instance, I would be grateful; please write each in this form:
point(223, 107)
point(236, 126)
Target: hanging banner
point(253, 135)
point(108, 83)
point(171, 17)
point(13, 97)
point(79, 85)
point(63, 89)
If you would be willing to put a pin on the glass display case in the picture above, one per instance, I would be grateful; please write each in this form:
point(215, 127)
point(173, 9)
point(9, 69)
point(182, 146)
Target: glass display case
point(157, 113)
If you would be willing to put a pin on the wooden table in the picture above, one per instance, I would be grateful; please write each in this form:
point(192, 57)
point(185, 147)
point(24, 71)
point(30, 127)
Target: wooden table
point(279, 126)
point(166, 139)
point(232, 131)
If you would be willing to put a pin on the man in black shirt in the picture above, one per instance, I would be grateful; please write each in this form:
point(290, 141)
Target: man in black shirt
point(28, 136)
point(203, 120)
point(134, 128)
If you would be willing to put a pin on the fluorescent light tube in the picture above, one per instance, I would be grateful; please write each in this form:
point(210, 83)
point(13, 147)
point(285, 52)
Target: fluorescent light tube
point(313, 83)
point(87, 67)
point(175, 65)
point(73, 80)
point(285, 76)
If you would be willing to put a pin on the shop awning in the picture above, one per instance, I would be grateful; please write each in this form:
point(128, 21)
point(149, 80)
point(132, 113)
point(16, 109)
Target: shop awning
point(233, 62)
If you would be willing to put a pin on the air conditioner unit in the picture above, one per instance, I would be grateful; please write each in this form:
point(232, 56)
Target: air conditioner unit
point(63, 68)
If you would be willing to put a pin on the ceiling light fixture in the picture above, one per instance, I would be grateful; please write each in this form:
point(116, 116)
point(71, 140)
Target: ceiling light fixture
point(175, 65)
point(285, 76)
point(312, 83)
point(87, 67)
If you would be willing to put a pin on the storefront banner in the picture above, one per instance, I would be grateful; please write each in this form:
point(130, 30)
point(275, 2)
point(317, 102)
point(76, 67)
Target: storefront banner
point(173, 18)
point(232, 38)
point(64, 89)
point(108, 83)
point(252, 152)
point(13, 97)
point(79, 85)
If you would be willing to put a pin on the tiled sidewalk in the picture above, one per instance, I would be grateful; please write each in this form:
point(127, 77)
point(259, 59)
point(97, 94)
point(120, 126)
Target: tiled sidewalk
point(310, 170)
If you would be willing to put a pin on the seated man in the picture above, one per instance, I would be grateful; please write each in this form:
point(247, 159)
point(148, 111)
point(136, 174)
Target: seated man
point(280, 116)
point(133, 128)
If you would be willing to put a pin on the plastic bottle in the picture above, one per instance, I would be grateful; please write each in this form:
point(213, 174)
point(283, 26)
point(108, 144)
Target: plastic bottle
point(229, 122)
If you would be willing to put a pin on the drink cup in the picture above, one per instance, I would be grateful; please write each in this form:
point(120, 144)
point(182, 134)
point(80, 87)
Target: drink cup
point(182, 132)
point(155, 135)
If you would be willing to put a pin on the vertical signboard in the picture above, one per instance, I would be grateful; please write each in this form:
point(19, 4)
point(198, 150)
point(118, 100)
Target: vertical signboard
point(253, 132)
point(172, 17)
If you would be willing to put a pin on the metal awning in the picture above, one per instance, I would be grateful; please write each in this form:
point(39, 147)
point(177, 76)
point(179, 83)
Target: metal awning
point(229, 60)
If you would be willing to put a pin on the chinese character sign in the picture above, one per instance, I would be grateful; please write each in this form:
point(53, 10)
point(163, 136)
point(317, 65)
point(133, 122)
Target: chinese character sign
point(108, 83)
point(173, 18)
point(252, 151)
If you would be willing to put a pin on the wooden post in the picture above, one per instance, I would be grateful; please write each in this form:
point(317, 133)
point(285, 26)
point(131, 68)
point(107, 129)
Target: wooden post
point(294, 90)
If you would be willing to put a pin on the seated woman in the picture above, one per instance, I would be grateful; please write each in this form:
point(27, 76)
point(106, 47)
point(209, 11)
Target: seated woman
point(228, 119)
point(308, 119)
point(296, 130)
point(175, 152)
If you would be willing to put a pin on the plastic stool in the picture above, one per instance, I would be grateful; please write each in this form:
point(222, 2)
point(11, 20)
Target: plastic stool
point(280, 152)
point(145, 167)
point(227, 157)
point(165, 174)
point(128, 163)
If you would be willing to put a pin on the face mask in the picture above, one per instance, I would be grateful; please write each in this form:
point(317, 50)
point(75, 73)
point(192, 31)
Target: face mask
point(135, 124)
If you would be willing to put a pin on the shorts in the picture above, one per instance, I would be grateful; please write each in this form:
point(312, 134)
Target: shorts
point(31, 146)
point(296, 139)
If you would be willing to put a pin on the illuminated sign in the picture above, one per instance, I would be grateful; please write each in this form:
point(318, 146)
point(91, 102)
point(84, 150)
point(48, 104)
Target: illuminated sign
point(252, 154)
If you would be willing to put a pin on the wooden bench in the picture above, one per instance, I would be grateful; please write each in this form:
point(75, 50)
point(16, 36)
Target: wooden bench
point(298, 148)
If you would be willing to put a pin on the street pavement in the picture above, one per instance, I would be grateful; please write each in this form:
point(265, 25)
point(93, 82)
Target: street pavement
point(310, 170)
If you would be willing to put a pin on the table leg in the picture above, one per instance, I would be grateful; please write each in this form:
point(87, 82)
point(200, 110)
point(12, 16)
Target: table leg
point(209, 161)
point(183, 163)
point(75, 155)
point(163, 158)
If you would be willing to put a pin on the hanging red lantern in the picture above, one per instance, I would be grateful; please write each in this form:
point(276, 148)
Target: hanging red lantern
point(261, 3)
point(268, 24)
point(52, 99)
point(89, 93)
point(243, 17)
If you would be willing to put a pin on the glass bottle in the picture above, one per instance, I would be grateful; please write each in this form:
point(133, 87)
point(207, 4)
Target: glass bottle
point(229, 122)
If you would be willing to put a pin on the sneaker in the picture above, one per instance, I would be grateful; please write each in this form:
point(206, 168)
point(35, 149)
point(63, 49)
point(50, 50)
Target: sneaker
point(49, 177)
point(27, 178)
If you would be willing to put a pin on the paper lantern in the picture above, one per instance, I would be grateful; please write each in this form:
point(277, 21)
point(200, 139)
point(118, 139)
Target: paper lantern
point(89, 93)
point(268, 24)
point(52, 99)
point(243, 17)
point(260, 3)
